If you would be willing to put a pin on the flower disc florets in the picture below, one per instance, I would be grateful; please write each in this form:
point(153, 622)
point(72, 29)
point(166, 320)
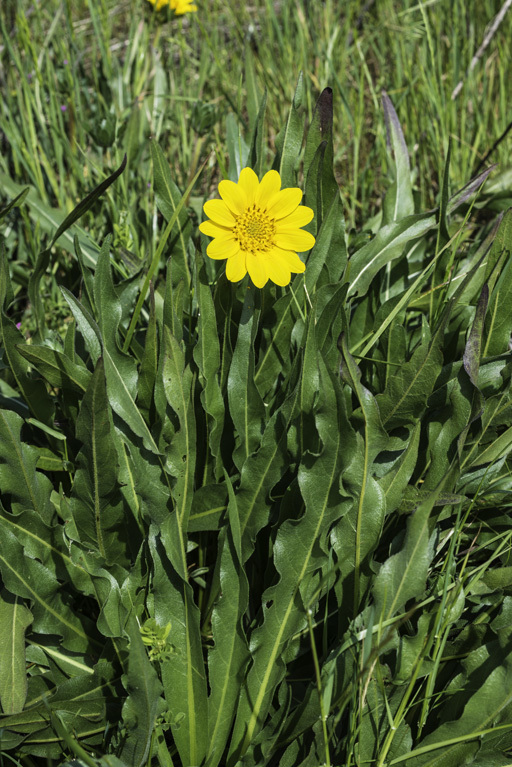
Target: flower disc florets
point(256, 226)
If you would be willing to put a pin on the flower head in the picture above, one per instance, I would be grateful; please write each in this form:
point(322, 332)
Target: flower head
point(257, 227)
point(179, 7)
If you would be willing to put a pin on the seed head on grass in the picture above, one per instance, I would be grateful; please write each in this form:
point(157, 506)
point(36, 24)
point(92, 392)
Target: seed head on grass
point(180, 7)
point(256, 226)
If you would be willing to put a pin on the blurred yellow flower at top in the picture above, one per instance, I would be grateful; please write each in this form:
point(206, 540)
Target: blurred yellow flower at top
point(180, 7)
point(257, 227)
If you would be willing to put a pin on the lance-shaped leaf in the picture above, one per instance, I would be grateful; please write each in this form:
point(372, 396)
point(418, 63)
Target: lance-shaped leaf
point(276, 337)
point(398, 202)
point(109, 312)
point(387, 245)
point(124, 405)
point(181, 456)
point(404, 575)
point(29, 579)
point(289, 140)
point(51, 546)
point(183, 673)
point(395, 481)
point(56, 367)
point(318, 157)
point(33, 391)
point(330, 248)
point(14, 620)
point(143, 704)
point(227, 660)
point(410, 385)
point(283, 605)
point(256, 151)
point(207, 358)
point(486, 696)
point(149, 364)
point(356, 535)
point(169, 199)
point(260, 473)
point(245, 403)
point(51, 219)
point(29, 489)
point(95, 505)
point(16, 202)
point(86, 324)
point(498, 324)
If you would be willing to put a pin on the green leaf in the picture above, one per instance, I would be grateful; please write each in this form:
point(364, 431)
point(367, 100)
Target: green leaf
point(51, 546)
point(51, 219)
point(253, 93)
point(183, 673)
point(394, 482)
point(245, 403)
point(260, 473)
point(95, 505)
point(321, 186)
point(207, 358)
point(486, 693)
point(123, 404)
point(171, 202)
point(472, 350)
point(149, 364)
point(56, 367)
point(289, 140)
point(230, 655)
point(29, 579)
point(256, 151)
point(181, 455)
point(208, 508)
point(15, 203)
point(284, 605)
point(329, 249)
point(387, 245)
point(86, 324)
point(404, 575)
point(14, 620)
point(109, 312)
point(34, 391)
point(274, 357)
point(404, 399)
point(143, 704)
point(498, 324)
point(29, 489)
point(357, 534)
point(398, 202)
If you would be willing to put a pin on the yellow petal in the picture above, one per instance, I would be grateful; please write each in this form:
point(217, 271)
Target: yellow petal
point(288, 257)
point(219, 212)
point(222, 248)
point(270, 185)
point(234, 196)
point(295, 239)
point(248, 180)
point(277, 271)
point(284, 202)
point(214, 230)
point(236, 268)
point(256, 268)
point(301, 216)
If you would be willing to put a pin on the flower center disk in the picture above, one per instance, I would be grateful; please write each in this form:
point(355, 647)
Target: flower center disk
point(255, 230)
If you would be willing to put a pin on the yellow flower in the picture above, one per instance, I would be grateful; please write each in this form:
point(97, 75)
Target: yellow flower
point(257, 227)
point(178, 6)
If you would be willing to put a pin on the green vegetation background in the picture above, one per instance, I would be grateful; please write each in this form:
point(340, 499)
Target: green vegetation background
point(252, 528)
